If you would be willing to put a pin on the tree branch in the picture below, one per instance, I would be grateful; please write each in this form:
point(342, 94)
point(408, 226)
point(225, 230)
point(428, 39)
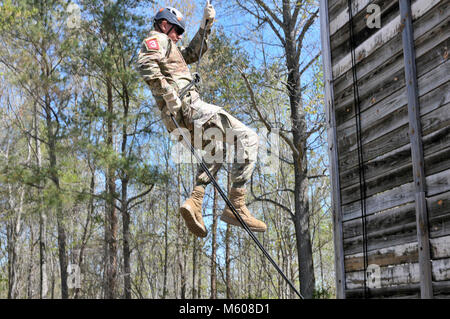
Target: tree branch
point(260, 199)
point(261, 117)
point(141, 194)
point(302, 34)
point(310, 62)
point(270, 12)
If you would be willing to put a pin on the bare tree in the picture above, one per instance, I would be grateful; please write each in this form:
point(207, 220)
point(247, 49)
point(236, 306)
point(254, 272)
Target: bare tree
point(290, 24)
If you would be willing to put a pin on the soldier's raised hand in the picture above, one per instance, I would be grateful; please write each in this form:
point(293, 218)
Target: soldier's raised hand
point(173, 102)
point(209, 14)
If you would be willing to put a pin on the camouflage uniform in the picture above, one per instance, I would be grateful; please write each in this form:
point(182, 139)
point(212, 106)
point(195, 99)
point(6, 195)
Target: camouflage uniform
point(165, 67)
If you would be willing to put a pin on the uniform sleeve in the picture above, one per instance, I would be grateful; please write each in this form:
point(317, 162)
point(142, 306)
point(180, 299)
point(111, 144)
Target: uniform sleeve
point(153, 50)
point(192, 52)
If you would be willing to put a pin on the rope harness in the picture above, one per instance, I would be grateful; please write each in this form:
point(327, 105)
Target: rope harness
point(183, 92)
point(362, 179)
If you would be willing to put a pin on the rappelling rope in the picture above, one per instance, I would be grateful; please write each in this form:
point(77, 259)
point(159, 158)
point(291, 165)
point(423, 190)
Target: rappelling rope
point(225, 198)
point(362, 180)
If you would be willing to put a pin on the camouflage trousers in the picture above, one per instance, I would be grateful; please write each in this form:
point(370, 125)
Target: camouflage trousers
point(222, 137)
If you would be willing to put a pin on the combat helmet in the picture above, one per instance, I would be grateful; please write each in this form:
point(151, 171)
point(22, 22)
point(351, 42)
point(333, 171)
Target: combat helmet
point(172, 16)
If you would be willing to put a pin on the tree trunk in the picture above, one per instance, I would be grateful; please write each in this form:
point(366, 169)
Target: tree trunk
point(299, 129)
point(303, 238)
point(194, 264)
point(12, 261)
point(30, 266)
point(51, 138)
point(181, 247)
point(12, 235)
point(199, 280)
point(86, 231)
point(124, 206)
point(126, 244)
point(166, 235)
point(111, 213)
point(214, 248)
point(178, 248)
point(43, 280)
point(227, 245)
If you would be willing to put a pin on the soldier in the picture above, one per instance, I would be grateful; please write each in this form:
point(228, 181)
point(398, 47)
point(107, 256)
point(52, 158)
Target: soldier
point(164, 68)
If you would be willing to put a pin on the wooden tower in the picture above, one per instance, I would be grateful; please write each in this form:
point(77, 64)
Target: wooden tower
point(387, 93)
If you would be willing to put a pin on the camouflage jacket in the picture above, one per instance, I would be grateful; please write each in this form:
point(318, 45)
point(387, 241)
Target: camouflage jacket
point(164, 66)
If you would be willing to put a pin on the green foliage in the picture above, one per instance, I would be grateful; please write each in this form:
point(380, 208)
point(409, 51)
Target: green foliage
point(323, 293)
point(63, 110)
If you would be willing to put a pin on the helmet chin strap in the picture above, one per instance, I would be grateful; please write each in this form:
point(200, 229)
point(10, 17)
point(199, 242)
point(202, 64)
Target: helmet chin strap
point(170, 30)
point(166, 33)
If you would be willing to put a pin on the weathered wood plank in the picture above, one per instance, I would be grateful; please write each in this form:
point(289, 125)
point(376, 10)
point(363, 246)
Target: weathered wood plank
point(389, 276)
point(441, 269)
point(382, 222)
point(440, 247)
point(433, 91)
point(398, 254)
point(435, 169)
point(441, 290)
point(429, 31)
point(342, 18)
point(432, 122)
point(388, 81)
point(435, 163)
point(397, 225)
point(400, 291)
point(436, 159)
point(436, 184)
point(385, 226)
point(393, 255)
point(385, 125)
point(340, 41)
point(335, 7)
point(439, 208)
point(389, 114)
point(419, 8)
point(401, 274)
point(436, 142)
point(396, 235)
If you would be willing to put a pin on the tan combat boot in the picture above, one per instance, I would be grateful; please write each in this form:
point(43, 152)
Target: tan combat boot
point(237, 198)
point(191, 211)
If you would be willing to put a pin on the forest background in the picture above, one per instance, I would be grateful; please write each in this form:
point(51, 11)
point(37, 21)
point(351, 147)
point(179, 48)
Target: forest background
point(89, 188)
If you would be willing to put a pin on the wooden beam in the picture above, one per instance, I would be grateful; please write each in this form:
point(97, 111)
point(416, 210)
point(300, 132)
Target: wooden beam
point(332, 150)
point(415, 133)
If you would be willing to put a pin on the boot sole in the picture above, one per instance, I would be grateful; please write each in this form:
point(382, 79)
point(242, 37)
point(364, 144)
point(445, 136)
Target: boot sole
point(235, 222)
point(191, 223)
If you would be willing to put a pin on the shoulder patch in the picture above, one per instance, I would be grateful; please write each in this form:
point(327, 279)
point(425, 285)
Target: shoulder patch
point(152, 44)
